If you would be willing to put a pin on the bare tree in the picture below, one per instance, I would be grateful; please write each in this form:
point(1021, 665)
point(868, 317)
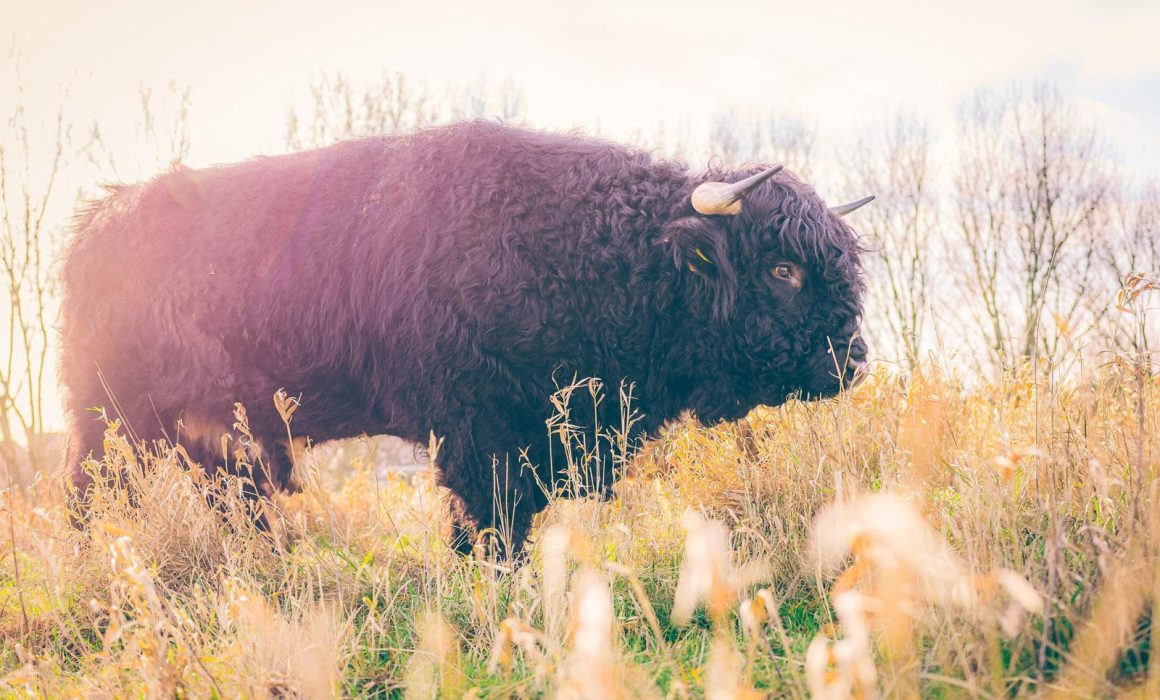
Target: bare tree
point(896, 162)
point(29, 184)
point(37, 164)
point(672, 139)
point(736, 138)
point(483, 98)
point(1031, 190)
point(342, 110)
point(731, 138)
point(161, 130)
point(167, 140)
point(1129, 246)
point(790, 141)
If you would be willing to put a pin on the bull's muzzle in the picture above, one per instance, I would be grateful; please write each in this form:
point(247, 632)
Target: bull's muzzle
point(856, 372)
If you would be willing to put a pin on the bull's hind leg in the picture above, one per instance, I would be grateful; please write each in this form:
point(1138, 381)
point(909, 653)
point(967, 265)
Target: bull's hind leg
point(85, 440)
point(87, 460)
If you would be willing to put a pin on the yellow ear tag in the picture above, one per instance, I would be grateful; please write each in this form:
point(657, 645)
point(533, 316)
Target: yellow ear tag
point(692, 269)
point(702, 256)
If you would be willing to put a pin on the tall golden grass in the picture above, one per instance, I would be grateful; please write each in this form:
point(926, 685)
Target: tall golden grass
point(917, 536)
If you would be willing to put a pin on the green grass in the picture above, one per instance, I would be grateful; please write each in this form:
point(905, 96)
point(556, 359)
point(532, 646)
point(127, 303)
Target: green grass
point(349, 593)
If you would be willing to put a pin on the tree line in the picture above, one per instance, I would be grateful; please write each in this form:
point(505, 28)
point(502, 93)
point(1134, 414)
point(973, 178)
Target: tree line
point(1014, 238)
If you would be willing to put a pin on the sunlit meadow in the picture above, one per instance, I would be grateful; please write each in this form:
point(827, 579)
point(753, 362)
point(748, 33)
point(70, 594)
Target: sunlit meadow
point(917, 536)
point(979, 518)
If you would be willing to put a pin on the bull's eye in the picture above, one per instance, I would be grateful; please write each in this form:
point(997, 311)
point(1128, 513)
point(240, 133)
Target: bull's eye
point(788, 272)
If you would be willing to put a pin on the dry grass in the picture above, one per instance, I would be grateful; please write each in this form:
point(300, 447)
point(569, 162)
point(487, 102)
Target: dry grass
point(916, 537)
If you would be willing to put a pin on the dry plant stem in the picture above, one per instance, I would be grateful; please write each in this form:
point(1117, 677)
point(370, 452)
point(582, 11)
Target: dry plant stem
point(970, 688)
point(995, 660)
point(15, 554)
point(197, 656)
point(1141, 372)
point(1127, 588)
point(1152, 685)
point(643, 603)
point(799, 684)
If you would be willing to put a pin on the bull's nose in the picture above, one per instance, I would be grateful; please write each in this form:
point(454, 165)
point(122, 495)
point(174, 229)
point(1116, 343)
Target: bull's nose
point(856, 371)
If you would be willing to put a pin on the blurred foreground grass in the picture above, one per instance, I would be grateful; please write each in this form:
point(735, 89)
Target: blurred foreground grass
point(917, 536)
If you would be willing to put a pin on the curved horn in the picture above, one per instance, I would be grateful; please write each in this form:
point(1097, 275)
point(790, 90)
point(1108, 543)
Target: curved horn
point(843, 209)
point(725, 198)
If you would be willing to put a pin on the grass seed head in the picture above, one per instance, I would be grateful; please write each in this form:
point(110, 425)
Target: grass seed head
point(706, 574)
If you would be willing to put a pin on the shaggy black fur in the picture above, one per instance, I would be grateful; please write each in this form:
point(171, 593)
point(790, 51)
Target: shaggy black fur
point(446, 281)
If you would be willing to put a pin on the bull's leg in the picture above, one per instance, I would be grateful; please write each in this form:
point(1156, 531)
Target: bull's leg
point(465, 528)
point(85, 440)
point(491, 494)
point(511, 528)
point(210, 460)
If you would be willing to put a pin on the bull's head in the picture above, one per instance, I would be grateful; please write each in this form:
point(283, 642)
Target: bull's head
point(778, 274)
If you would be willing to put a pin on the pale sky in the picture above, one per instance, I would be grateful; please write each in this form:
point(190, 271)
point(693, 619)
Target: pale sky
point(616, 66)
point(619, 65)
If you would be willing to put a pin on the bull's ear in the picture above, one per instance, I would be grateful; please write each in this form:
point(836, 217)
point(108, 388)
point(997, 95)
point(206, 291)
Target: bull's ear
point(699, 248)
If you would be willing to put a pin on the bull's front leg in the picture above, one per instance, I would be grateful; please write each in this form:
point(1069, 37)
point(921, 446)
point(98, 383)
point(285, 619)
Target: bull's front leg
point(494, 492)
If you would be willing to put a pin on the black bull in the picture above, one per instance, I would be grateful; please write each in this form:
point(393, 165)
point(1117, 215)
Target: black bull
point(448, 282)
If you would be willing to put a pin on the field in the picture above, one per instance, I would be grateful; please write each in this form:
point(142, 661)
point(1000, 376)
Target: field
point(922, 535)
point(979, 518)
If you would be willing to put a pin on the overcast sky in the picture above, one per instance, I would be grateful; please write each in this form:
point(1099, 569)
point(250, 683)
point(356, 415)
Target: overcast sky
point(620, 65)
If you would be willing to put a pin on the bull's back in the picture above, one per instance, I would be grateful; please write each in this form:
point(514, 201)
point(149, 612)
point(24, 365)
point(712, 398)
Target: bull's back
point(165, 281)
point(380, 257)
